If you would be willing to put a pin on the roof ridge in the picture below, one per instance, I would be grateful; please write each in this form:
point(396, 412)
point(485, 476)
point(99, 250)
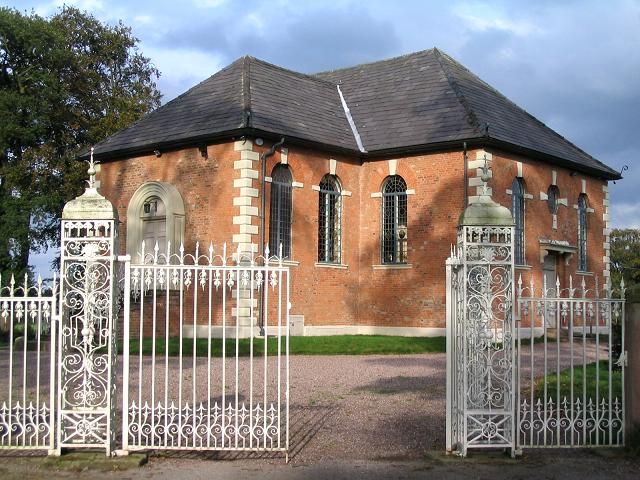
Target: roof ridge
point(289, 71)
point(473, 118)
point(377, 62)
point(162, 107)
point(246, 91)
point(352, 123)
point(182, 95)
point(173, 100)
point(512, 103)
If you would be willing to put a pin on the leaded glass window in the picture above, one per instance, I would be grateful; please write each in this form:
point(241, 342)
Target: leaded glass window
point(582, 232)
point(552, 199)
point(280, 211)
point(394, 220)
point(329, 220)
point(517, 210)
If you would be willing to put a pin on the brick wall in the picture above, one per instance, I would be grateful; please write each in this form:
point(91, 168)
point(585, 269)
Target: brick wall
point(537, 177)
point(325, 295)
point(206, 186)
point(413, 296)
point(361, 291)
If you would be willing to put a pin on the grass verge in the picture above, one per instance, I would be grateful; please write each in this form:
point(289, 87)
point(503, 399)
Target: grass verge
point(321, 345)
point(595, 376)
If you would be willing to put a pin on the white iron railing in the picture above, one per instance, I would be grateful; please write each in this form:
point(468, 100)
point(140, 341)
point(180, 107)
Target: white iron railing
point(28, 319)
point(571, 366)
point(189, 380)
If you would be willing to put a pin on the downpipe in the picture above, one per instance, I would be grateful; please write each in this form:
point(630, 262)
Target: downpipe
point(263, 206)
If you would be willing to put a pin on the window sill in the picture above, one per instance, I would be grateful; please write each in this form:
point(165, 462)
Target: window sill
point(584, 274)
point(339, 266)
point(285, 263)
point(392, 266)
point(523, 267)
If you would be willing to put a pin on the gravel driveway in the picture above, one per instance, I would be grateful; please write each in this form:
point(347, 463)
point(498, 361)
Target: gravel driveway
point(373, 407)
point(347, 407)
point(377, 416)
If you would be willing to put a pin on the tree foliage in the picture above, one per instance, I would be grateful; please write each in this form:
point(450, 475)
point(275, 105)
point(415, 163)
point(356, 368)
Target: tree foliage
point(625, 256)
point(66, 82)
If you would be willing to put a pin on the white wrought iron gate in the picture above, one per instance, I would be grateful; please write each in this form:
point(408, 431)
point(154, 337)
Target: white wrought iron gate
point(182, 387)
point(571, 364)
point(187, 379)
point(528, 366)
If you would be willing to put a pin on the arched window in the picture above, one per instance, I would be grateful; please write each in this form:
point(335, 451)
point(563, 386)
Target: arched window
point(280, 211)
point(155, 214)
point(582, 232)
point(394, 220)
point(329, 220)
point(552, 199)
point(517, 210)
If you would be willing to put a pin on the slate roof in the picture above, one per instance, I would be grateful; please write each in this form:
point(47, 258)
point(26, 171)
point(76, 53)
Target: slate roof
point(421, 101)
point(248, 94)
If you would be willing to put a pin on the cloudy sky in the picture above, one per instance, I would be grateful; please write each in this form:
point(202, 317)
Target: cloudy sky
point(575, 65)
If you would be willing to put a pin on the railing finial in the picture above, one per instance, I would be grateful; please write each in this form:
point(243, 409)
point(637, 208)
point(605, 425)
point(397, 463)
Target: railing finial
point(92, 171)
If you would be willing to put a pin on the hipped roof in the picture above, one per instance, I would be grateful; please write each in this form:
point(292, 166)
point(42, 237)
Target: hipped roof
point(417, 102)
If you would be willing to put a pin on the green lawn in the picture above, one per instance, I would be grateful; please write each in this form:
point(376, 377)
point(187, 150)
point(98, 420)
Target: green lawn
point(601, 379)
point(325, 345)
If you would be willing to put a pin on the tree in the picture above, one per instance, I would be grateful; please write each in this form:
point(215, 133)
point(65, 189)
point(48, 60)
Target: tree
point(66, 82)
point(625, 257)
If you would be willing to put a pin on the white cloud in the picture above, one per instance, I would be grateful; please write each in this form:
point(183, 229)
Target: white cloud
point(253, 21)
point(209, 3)
point(143, 19)
point(88, 5)
point(181, 69)
point(482, 17)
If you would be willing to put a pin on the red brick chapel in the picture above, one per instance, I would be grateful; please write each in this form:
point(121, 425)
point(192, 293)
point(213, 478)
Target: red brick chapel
point(360, 174)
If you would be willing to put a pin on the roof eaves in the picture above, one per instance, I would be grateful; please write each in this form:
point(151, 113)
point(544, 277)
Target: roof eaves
point(472, 142)
point(149, 148)
point(483, 141)
point(605, 172)
point(195, 141)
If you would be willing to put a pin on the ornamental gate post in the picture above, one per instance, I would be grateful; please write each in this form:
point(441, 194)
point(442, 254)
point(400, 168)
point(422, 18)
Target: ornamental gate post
point(481, 367)
point(87, 349)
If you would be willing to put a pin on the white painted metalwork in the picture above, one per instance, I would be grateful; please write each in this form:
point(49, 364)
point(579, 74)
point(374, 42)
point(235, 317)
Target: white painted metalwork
point(481, 368)
point(201, 392)
point(580, 332)
point(480, 340)
point(87, 340)
point(27, 344)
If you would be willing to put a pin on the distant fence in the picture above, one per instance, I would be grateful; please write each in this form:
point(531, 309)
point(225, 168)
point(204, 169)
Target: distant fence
point(28, 320)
